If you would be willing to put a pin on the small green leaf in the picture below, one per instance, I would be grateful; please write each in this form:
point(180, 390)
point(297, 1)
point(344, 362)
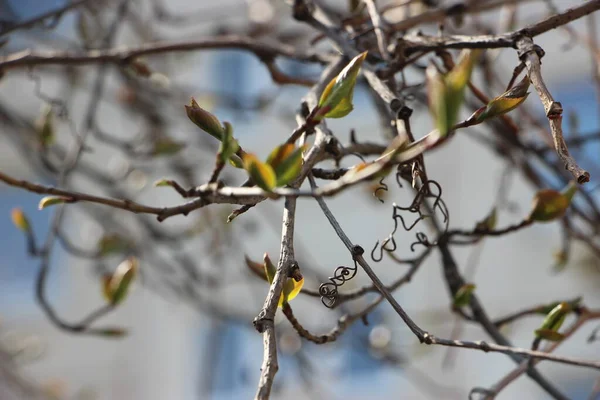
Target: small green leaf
point(261, 173)
point(53, 200)
point(548, 205)
point(117, 286)
point(554, 321)
point(446, 93)
point(570, 190)
point(113, 332)
point(20, 220)
point(489, 222)
point(204, 120)
point(112, 243)
point(280, 153)
point(166, 146)
point(45, 126)
point(228, 144)
point(336, 99)
point(463, 295)
point(162, 183)
point(290, 168)
point(574, 303)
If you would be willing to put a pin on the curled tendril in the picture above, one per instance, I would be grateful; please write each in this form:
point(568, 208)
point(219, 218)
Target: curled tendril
point(389, 239)
point(382, 187)
point(329, 290)
point(430, 189)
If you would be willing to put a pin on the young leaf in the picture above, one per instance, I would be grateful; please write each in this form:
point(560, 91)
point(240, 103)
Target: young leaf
point(236, 161)
point(112, 243)
point(112, 332)
point(489, 222)
point(336, 99)
point(502, 104)
point(256, 268)
point(45, 126)
point(20, 220)
point(289, 168)
point(166, 146)
point(117, 287)
point(204, 120)
point(280, 153)
point(446, 93)
point(553, 322)
point(291, 288)
point(548, 334)
point(53, 200)
point(228, 144)
point(549, 204)
point(269, 268)
point(463, 295)
point(261, 173)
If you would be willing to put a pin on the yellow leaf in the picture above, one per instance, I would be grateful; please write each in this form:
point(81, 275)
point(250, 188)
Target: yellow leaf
point(291, 288)
point(20, 220)
point(261, 173)
point(53, 200)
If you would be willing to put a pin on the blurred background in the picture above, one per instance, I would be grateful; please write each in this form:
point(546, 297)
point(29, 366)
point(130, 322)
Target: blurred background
point(190, 334)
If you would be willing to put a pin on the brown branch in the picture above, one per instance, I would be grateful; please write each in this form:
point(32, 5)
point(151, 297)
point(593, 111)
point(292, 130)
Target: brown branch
point(420, 42)
point(29, 58)
point(530, 54)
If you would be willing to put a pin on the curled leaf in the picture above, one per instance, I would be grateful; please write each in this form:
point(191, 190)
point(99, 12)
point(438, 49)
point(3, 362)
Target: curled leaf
point(269, 268)
point(163, 183)
point(116, 287)
point(336, 99)
point(463, 295)
point(53, 200)
point(20, 220)
point(204, 119)
point(261, 173)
